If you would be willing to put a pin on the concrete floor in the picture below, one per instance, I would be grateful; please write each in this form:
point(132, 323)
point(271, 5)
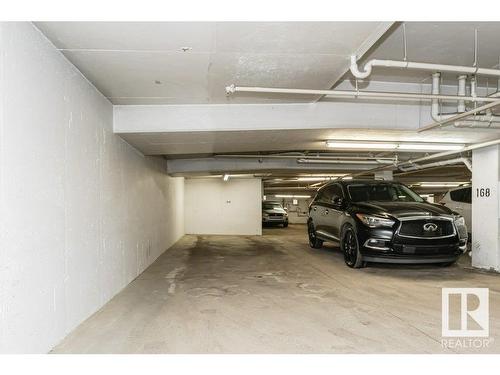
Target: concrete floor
point(273, 294)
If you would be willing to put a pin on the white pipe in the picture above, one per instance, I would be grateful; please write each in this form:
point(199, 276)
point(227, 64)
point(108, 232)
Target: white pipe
point(447, 153)
point(459, 116)
point(482, 123)
point(357, 94)
point(415, 167)
point(436, 90)
point(367, 70)
point(462, 80)
point(430, 157)
point(338, 161)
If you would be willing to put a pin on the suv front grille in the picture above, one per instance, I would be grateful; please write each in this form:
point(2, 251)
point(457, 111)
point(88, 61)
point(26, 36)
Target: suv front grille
point(426, 228)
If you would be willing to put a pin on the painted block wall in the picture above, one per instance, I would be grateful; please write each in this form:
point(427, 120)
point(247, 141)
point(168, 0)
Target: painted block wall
point(82, 212)
point(213, 206)
point(486, 208)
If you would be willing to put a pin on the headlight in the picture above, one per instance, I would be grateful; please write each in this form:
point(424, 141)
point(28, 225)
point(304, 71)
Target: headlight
point(461, 227)
point(375, 221)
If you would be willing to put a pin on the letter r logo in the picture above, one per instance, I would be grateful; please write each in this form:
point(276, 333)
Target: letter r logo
point(478, 313)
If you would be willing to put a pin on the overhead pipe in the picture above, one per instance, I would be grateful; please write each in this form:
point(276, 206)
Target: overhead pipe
point(436, 90)
point(482, 123)
point(339, 159)
point(459, 116)
point(367, 70)
point(429, 157)
point(418, 167)
point(357, 94)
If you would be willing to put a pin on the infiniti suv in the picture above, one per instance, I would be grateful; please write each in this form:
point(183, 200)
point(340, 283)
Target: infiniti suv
point(383, 221)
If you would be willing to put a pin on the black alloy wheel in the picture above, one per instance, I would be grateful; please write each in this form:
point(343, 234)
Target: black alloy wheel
point(350, 248)
point(314, 241)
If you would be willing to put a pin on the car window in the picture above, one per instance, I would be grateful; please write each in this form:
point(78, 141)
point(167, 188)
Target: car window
point(270, 205)
point(327, 194)
point(364, 192)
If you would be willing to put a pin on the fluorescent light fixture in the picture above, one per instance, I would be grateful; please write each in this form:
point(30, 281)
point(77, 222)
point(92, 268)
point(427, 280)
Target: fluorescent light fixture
point(347, 178)
point(312, 160)
point(226, 177)
point(291, 196)
point(362, 145)
point(439, 184)
point(317, 178)
point(402, 146)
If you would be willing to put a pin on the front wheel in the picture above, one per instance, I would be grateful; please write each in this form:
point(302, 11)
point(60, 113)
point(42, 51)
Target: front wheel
point(285, 224)
point(314, 241)
point(350, 248)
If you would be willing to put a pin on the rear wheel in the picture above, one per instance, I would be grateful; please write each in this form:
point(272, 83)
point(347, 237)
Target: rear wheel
point(314, 241)
point(350, 248)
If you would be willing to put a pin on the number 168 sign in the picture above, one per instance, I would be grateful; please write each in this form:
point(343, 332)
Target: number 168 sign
point(483, 192)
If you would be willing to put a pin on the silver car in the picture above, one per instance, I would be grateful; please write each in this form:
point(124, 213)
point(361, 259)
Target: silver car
point(274, 213)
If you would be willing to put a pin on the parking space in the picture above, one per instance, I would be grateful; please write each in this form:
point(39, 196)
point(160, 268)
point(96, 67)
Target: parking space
point(274, 294)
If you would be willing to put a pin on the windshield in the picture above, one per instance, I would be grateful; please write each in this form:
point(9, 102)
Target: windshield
point(271, 205)
point(382, 193)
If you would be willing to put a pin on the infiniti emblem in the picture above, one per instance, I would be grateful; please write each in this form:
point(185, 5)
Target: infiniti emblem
point(430, 227)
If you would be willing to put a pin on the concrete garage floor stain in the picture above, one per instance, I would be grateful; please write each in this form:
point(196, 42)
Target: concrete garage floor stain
point(273, 294)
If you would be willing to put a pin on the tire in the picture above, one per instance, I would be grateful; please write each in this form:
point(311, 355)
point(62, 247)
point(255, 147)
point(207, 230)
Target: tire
point(285, 224)
point(350, 247)
point(314, 241)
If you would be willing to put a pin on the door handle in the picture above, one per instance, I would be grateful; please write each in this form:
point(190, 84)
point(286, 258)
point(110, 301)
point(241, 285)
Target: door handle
point(326, 212)
point(314, 208)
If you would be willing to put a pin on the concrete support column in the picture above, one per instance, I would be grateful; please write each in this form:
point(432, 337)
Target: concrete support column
point(485, 208)
point(383, 175)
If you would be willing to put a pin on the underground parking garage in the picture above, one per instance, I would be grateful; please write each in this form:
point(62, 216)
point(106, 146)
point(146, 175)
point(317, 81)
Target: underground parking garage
point(206, 193)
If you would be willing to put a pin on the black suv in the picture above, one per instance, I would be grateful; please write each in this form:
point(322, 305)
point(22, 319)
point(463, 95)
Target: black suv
point(383, 221)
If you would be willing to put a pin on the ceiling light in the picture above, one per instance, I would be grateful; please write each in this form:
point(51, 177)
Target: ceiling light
point(342, 161)
point(347, 178)
point(397, 146)
point(226, 177)
point(439, 184)
point(291, 196)
point(317, 178)
point(362, 145)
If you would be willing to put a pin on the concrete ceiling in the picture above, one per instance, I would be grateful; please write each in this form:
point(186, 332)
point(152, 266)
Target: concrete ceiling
point(204, 142)
point(192, 62)
point(437, 42)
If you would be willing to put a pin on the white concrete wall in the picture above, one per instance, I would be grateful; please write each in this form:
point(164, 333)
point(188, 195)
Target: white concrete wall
point(213, 206)
point(486, 208)
point(82, 212)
